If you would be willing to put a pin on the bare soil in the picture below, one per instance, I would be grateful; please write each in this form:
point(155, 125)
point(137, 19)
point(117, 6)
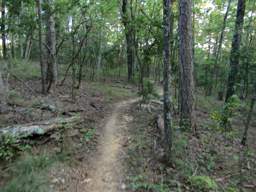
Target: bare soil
point(106, 173)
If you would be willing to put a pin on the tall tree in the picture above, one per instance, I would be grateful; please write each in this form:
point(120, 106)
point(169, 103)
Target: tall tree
point(249, 117)
point(219, 48)
point(42, 64)
point(51, 46)
point(3, 29)
point(235, 49)
point(167, 76)
point(186, 65)
point(3, 91)
point(127, 22)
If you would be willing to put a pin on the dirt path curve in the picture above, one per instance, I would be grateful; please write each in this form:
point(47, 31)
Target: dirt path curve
point(106, 172)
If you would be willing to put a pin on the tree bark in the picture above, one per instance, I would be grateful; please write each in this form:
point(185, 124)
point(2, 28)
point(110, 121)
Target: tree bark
point(218, 51)
point(167, 77)
point(249, 116)
point(248, 121)
point(234, 55)
point(28, 45)
point(249, 45)
point(3, 91)
point(4, 51)
point(13, 46)
point(42, 64)
point(126, 19)
point(186, 66)
point(39, 128)
point(51, 47)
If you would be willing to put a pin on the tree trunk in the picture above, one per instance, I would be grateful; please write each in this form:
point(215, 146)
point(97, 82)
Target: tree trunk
point(27, 45)
point(167, 78)
point(80, 72)
point(51, 47)
point(248, 120)
point(3, 91)
point(234, 55)
point(208, 85)
point(99, 55)
point(186, 66)
point(3, 30)
point(42, 63)
point(218, 51)
point(126, 19)
point(12, 46)
point(73, 69)
point(249, 45)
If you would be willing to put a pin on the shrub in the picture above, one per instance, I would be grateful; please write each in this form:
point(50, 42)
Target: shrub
point(202, 183)
point(29, 174)
point(139, 183)
point(231, 189)
point(224, 116)
point(148, 92)
point(8, 147)
point(24, 69)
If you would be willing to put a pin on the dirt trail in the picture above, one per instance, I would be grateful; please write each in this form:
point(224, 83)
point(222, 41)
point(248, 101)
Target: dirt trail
point(106, 172)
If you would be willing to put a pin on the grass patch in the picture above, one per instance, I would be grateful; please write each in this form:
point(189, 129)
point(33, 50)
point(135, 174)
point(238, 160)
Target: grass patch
point(203, 183)
point(112, 92)
point(29, 174)
point(9, 147)
point(138, 183)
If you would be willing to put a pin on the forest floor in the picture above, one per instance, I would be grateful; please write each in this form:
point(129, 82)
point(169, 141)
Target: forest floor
point(115, 146)
point(106, 173)
point(60, 160)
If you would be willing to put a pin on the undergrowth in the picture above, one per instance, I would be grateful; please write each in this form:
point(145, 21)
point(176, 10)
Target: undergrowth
point(112, 92)
point(29, 174)
point(24, 69)
point(149, 91)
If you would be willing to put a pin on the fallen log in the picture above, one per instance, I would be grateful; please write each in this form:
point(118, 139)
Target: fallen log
point(37, 128)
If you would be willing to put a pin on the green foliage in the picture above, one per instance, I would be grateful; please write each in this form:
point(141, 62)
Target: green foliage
point(31, 164)
point(223, 117)
point(203, 183)
point(231, 189)
point(29, 174)
point(181, 142)
point(112, 92)
point(148, 92)
point(25, 69)
point(138, 184)
point(8, 147)
point(89, 134)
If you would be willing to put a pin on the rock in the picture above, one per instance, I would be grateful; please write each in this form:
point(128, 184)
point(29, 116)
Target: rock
point(88, 180)
point(55, 180)
point(123, 186)
point(48, 107)
point(62, 180)
point(57, 149)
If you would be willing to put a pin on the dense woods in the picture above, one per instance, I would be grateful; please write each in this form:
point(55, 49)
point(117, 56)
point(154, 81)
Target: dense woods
point(184, 69)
